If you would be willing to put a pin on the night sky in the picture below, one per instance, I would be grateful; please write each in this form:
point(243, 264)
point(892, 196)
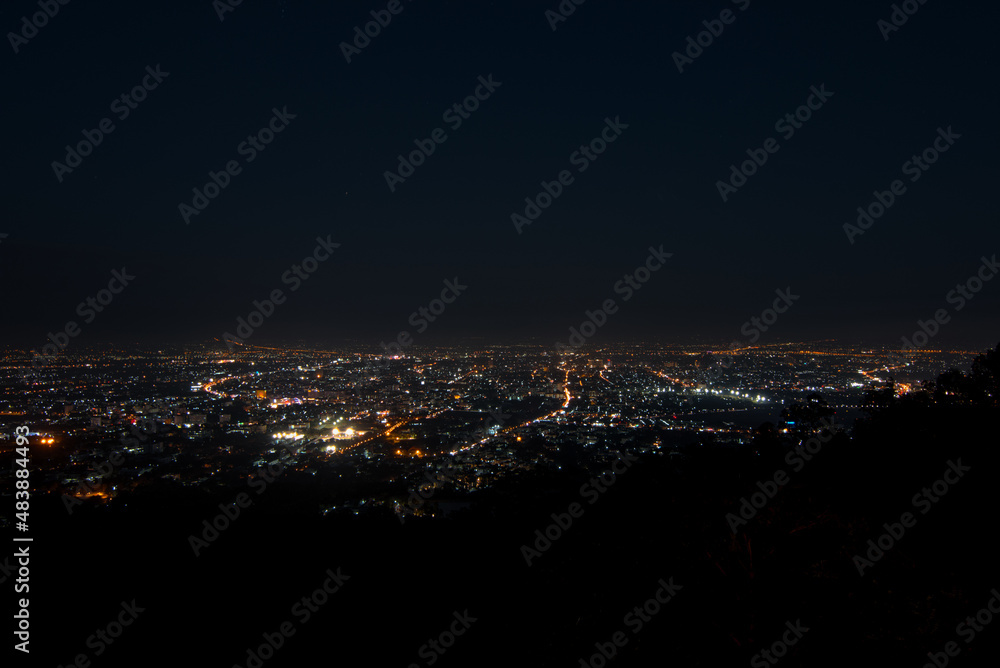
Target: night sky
point(324, 174)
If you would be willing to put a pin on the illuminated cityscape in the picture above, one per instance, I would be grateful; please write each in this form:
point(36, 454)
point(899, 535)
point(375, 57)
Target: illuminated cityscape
point(200, 417)
point(554, 334)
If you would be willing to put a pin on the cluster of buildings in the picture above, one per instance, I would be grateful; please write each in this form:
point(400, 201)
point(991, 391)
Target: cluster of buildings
point(370, 429)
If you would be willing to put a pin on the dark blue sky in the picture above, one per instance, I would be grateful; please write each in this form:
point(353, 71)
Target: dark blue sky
point(656, 184)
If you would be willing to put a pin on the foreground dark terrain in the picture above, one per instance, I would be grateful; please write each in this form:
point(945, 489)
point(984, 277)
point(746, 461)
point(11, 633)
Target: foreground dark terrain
point(662, 518)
